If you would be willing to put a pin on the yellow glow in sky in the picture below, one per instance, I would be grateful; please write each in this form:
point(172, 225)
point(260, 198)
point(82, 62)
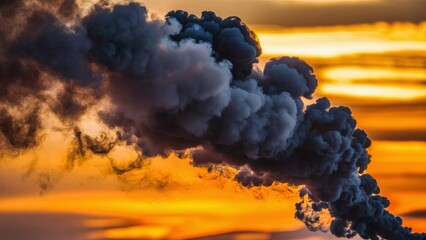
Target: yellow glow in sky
point(335, 41)
point(354, 73)
point(167, 215)
point(323, 46)
point(374, 91)
point(136, 232)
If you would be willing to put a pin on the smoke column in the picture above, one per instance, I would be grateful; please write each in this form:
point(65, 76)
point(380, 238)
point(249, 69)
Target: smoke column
point(188, 82)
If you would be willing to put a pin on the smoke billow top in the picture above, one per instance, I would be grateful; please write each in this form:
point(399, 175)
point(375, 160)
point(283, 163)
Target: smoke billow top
point(187, 82)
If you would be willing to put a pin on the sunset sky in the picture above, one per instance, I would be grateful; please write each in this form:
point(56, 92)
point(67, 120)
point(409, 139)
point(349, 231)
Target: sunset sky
point(369, 55)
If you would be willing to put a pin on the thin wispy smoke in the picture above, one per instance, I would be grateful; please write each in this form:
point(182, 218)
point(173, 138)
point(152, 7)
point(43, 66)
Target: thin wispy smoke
point(188, 82)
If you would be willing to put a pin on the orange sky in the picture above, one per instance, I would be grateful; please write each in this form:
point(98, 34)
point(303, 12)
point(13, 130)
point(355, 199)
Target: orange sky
point(376, 68)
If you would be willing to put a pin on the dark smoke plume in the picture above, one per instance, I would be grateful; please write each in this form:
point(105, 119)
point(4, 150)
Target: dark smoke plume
point(188, 82)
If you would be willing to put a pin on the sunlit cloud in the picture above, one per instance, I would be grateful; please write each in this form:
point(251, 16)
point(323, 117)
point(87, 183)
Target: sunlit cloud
point(374, 91)
point(355, 73)
point(407, 147)
point(324, 46)
point(330, 42)
point(134, 232)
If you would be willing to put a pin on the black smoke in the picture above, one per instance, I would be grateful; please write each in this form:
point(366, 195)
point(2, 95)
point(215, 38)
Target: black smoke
point(230, 38)
point(188, 82)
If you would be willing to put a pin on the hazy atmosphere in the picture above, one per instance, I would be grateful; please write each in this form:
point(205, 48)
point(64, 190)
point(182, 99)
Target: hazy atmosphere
point(258, 119)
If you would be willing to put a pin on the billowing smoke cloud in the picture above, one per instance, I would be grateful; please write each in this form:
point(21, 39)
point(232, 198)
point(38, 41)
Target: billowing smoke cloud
point(188, 82)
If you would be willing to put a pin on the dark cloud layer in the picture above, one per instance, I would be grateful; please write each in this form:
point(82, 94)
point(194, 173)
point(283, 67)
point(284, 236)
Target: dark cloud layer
point(189, 82)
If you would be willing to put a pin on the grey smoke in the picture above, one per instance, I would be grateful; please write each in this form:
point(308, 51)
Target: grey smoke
point(188, 82)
